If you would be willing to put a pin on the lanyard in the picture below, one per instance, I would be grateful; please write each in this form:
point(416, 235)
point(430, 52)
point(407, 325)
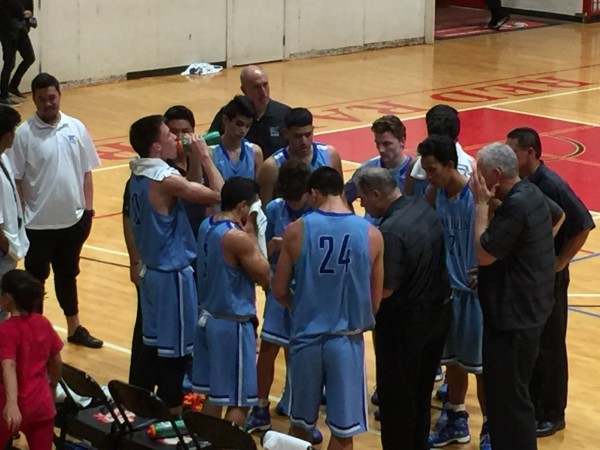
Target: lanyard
point(19, 220)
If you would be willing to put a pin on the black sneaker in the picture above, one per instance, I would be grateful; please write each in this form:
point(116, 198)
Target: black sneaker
point(83, 337)
point(8, 101)
point(16, 92)
point(497, 22)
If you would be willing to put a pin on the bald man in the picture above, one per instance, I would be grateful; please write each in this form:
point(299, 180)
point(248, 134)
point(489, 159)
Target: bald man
point(266, 128)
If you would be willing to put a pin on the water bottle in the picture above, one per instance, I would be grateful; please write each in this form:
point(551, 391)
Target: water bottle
point(211, 138)
point(162, 430)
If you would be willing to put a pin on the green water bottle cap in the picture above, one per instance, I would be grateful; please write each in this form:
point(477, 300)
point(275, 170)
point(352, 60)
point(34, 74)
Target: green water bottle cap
point(212, 138)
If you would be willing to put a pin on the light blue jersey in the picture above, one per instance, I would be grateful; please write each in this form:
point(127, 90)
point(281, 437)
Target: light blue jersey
point(165, 242)
point(244, 167)
point(224, 291)
point(276, 323)
point(320, 157)
point(167, 289)
point(332, 273)
point(399, 173)
point(279, 216)
point(457, 217)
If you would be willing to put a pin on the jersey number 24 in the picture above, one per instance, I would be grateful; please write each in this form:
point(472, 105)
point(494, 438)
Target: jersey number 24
point(327, 243)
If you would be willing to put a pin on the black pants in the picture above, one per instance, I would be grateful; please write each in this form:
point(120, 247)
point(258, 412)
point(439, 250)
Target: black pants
point(10, 47)
point(508, 360)
point(61, 249)
point(408, 349)
point(551, 374)
point(150, 371)
point(495, 7)
point(143, 357)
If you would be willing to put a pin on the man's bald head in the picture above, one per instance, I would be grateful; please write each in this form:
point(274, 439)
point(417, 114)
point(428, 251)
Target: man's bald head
point(255, 85)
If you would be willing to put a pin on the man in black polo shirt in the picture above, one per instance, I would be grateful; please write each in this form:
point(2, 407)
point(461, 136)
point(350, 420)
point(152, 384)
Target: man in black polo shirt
point(266, 129)
point(515, 253)
point(550, 376)
point(414, 316)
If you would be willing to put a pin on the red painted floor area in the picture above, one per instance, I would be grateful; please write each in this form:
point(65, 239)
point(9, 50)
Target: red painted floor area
point(568, 147)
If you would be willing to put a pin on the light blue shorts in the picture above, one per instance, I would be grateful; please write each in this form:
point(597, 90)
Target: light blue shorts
point(338, 363)
point(224, 366)
point(465, 337)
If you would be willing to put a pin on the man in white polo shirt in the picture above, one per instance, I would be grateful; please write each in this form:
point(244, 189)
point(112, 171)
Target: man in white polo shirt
point(13, 240)
point(52, 158)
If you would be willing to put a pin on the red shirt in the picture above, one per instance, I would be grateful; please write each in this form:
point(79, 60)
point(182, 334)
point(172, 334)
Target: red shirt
point(30, 341)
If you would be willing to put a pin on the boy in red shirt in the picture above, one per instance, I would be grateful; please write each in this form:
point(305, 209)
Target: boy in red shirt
point(31, 363)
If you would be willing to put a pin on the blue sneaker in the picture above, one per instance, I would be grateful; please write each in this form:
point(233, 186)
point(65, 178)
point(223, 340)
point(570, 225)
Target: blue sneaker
point(442, 393)
point(439, 376)
point(375, 398)
point(456, 431)
point(259, 419)
point(443, 419)
point(484, 438)
point(317, 437)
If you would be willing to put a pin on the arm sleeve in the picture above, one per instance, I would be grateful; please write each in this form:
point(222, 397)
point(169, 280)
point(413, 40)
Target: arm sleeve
point(9, 340)
point(90, 159)
point(555, 211)
point(394, 257)
point(503, 232)
point(578, 217)
point(16, 156)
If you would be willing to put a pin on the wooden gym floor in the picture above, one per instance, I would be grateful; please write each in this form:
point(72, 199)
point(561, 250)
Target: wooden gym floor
point(548, 78)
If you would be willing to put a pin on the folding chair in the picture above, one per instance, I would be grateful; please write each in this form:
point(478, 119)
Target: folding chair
point(84, 422)
point(221, 434)
point(144, 404)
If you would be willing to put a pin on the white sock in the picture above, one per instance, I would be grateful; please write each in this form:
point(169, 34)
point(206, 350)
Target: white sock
point(263, 402)
point(456, 408)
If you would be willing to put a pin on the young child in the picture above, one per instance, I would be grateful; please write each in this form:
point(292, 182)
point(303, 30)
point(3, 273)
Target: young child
point(31, 364)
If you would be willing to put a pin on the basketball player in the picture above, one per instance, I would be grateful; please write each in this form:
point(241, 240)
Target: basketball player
point(390, 137)
point(442, 120)
point(299, 134)
point(229, 263)
point(336, 259)
point(164, 241)
point(452, 199)
point(235, 156)
point(292, 182)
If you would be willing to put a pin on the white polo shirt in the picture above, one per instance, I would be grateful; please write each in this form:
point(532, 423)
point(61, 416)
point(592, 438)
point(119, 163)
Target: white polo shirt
point(464, 165)
point(10, 216)
point(51, 161)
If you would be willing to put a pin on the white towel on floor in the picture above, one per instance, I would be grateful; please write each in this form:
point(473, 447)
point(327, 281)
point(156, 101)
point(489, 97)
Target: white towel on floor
point(279, 441)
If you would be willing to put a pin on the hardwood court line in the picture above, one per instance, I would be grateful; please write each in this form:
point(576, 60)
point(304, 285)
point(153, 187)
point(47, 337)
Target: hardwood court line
point(582, 311)
point(118, 348)
point(443, 88)
point(105, 250)
point(545, 116)
point(584, 295)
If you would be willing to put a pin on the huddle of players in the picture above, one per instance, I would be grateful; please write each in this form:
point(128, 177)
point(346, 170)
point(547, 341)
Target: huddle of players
point(322, 272)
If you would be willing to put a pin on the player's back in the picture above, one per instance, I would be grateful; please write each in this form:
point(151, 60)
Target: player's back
point(333, 271)
point(225, 291)
point(458, 216)
point(165, 242)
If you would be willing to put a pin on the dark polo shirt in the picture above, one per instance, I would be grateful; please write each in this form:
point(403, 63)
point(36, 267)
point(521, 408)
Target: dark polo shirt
point(266, 132)
point(577, 219)
point(517, 290)
point(414, 254)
